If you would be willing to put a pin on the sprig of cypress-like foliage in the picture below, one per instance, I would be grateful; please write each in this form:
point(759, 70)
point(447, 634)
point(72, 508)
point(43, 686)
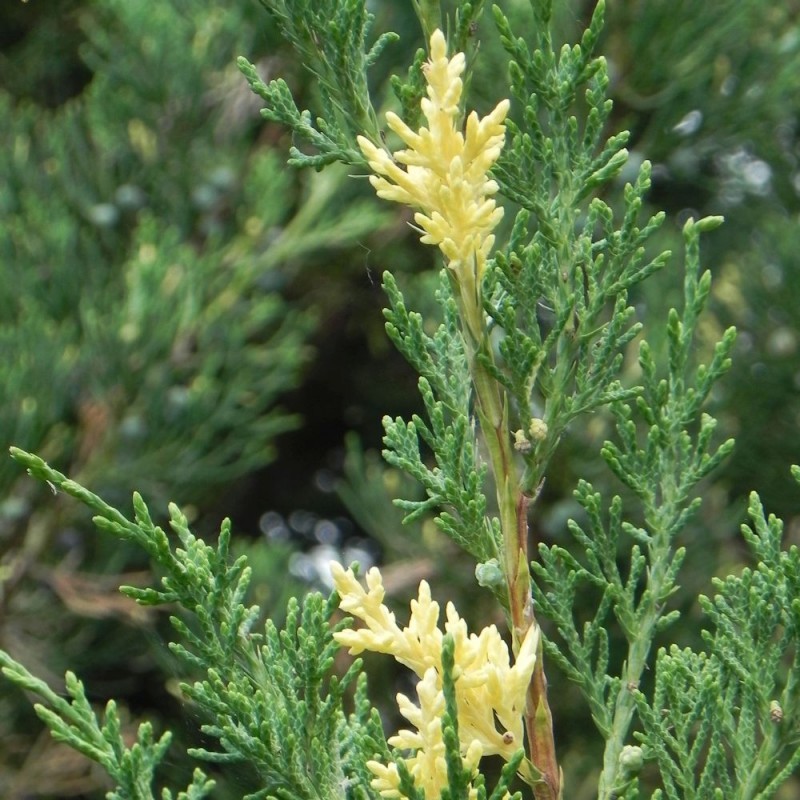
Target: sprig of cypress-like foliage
point(269, 698)
point(664, 449)
point(725, 723)
point(75, 723)
point(330, 38)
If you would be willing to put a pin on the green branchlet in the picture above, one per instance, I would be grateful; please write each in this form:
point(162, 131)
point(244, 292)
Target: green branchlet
point(269, 697)
point(75, 723)
point(662, 471)
point(330, 38)
point(454, 486)
point(727, 722)
point(410, 91)
point(539, 153)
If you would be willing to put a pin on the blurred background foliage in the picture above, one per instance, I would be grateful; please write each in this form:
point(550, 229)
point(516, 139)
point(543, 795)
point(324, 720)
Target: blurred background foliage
point(182, 314)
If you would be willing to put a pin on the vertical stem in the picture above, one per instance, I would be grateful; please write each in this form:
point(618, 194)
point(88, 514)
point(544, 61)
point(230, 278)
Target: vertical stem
point(624, 708)
point(492, 409)
point(635, 664)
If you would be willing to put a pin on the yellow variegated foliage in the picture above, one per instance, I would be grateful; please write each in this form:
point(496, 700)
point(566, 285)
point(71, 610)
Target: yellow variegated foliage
point(490, 692)
point(446, 173)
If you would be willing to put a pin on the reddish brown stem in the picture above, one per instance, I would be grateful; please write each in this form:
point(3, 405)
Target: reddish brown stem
point(492, 408)
point(538, 717)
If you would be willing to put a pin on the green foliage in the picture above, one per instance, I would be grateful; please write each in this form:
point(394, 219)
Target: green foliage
point(725, 723)
point(120, 245)
point(555, 150)
point(559, 329)
point(76, 724)
point(454, 484)
point(147, 249)
point(269, 697)
point(671, 407)
point(576, 264)
point(138, 253)
point(662, 471)
point(711, 104)
point(330, 38)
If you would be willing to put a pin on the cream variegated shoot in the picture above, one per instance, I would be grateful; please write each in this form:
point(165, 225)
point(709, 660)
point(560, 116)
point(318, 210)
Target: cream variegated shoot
point(490, 691)
point(427, 765)
point(443, 172)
